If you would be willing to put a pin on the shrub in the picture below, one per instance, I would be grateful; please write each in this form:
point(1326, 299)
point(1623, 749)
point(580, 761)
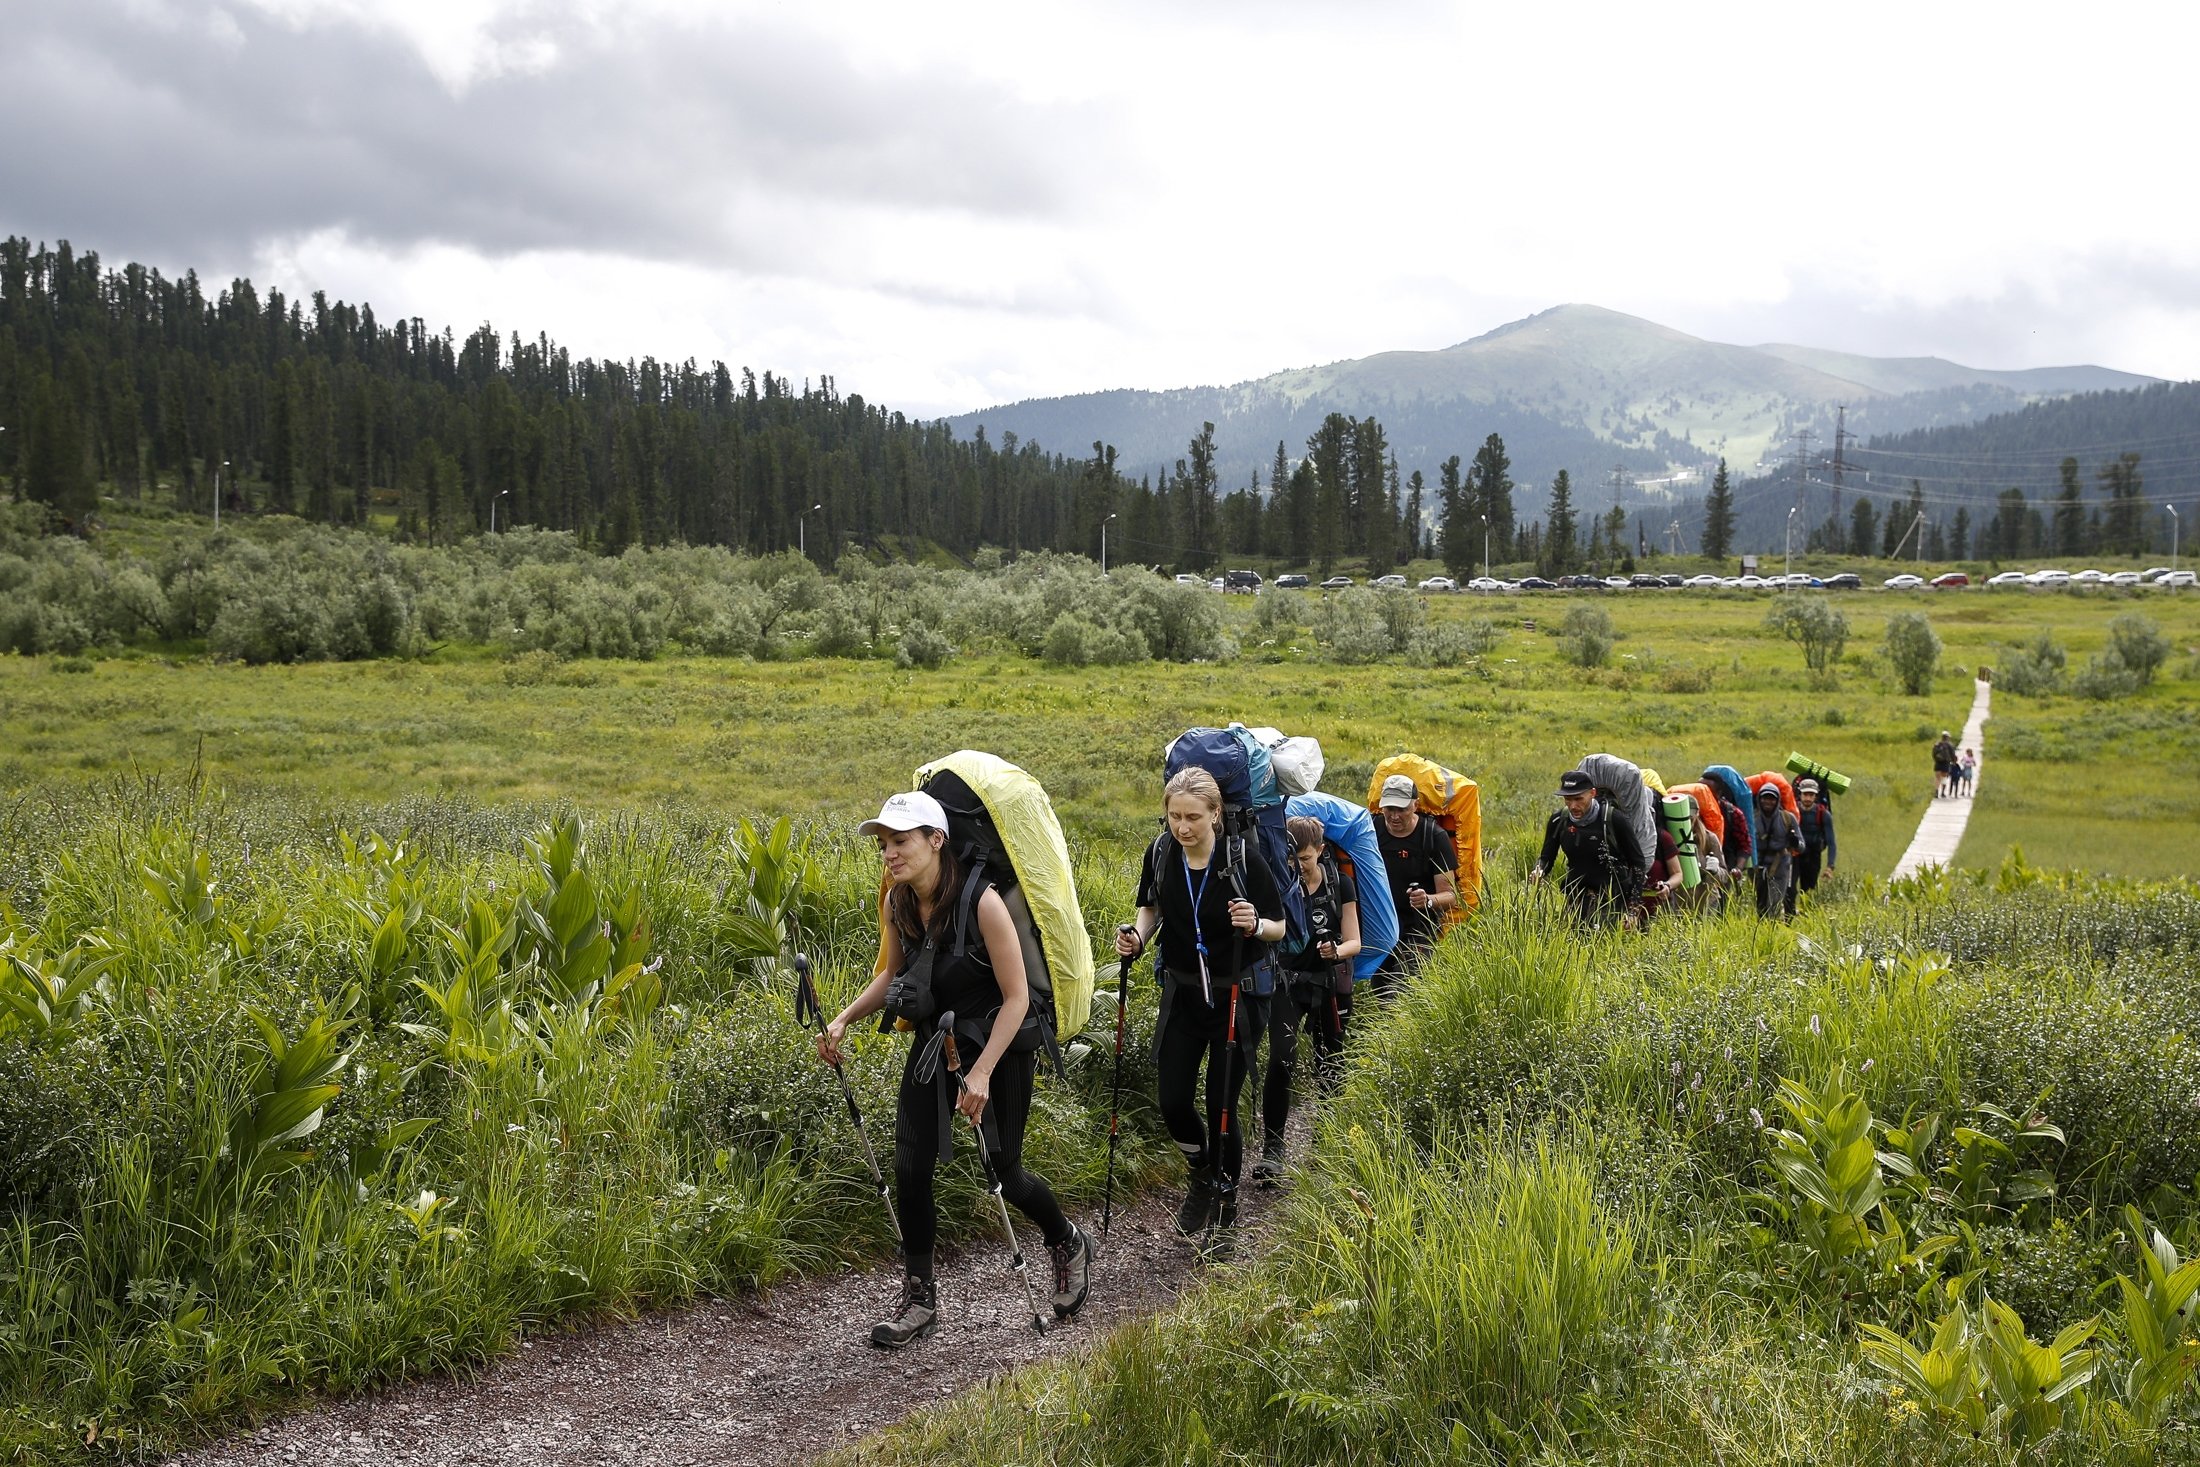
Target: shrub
point(923, 647)
point(1913, 647)
point(2106, 678)
point(1403, 615)
point(1814, 624)
point(1350, 625)
point(2033, 671)
point(1447, 644)
point(1585, 636)
point(1075, 641)
point(2139, 643)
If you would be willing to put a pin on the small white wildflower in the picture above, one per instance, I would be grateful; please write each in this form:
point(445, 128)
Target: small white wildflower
point(1867, 1069)
point(1757, 1118)
point(1816, 1031)
point(1697, 1082)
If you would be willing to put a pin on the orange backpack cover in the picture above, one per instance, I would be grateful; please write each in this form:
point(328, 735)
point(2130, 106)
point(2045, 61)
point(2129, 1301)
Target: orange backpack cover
point(1780, 783)
point(1454, 802)
point(1707, 805)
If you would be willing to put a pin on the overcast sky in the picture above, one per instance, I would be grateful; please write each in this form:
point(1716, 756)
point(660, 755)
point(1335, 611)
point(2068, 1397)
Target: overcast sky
point(945, 206)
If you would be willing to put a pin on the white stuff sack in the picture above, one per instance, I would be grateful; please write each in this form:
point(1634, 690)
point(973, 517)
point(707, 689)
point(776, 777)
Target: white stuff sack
point(1297, 760)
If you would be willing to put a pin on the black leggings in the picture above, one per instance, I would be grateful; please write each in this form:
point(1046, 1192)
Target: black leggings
point(917, 1154)
point(1290, 1009)
point(1192, 1032)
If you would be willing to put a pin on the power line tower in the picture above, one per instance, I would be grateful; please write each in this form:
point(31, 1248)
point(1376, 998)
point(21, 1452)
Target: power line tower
point(1840, 463)
point(1802, 476)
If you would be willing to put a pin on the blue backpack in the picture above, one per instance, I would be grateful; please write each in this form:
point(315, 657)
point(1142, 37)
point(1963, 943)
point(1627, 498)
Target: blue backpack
point(1252, 821)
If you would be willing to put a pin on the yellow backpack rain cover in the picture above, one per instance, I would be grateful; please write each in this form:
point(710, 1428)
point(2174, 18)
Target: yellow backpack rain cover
point(1454, 802)
point(1024, 816)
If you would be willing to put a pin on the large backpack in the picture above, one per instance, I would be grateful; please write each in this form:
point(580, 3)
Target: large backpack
point(1779, 782)
point(1351, 830)
point(1707, 806)
point(1003, 831)
point(1735, 790)
point(1635, 825)
point(1454, 802)
point(1252, 819)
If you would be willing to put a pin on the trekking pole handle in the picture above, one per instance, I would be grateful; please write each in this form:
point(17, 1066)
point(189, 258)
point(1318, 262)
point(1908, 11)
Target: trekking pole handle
point(954, 1058)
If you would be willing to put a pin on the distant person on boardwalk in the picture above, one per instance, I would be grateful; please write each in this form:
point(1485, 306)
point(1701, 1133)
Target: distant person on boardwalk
point(1966, 771)
point(986, 989)
point(1815, 816)
point(1419, 861)
point(1596, 883)
point(1944, 765)
point(1313, 991)
point(1779, 841)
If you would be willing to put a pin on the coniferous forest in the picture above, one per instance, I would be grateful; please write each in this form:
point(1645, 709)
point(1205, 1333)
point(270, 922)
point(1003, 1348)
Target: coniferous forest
point(316, 408)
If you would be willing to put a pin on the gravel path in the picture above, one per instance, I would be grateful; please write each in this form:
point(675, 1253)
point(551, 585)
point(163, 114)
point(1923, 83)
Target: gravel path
point(1941, 829)
point(774, 1378)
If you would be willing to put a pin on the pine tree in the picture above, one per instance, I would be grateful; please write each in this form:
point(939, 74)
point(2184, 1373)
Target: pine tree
point(54, 470)
point(1196, 482)
point(1863, 527)
point(2123, 532)
point(1410, 522)
point(1562, 531)
point(1329, 449)
point(1462, 526)
point(1718, 517)
point(1380, 511)
point(1959, 538)
point(279, 456)
point(1491, 477)
point(2070, 512)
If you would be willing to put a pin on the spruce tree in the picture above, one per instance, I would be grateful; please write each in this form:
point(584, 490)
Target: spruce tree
point(1491, 477)
point(1863, 527)
point(1462, 526)
point(2124, 531)
point(1959, 535)
point(2070, 512)
point(1561, 532)
point(279, 456)
point(1718, 517)
point(53, 469)
point(1410, 521)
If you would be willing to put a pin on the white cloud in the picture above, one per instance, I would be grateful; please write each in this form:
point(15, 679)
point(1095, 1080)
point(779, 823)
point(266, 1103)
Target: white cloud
point(948, 205)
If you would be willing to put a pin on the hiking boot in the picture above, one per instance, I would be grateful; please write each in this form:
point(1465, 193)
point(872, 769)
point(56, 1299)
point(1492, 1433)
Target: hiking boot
point(1199, 1203)
point(1268, 1171)
point(1220, 1242)
point(1072, 1272)
point(917, 1317)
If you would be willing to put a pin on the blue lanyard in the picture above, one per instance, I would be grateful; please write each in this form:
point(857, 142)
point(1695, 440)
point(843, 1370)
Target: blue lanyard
point(1199, 939)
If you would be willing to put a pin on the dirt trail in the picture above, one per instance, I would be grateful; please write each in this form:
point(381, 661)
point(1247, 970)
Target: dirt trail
point(774, 1378)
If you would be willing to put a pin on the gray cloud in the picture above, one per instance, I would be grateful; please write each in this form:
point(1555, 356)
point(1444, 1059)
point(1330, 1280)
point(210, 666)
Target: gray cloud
point(705, 143)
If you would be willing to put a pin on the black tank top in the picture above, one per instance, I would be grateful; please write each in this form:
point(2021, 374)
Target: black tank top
point(966, 984)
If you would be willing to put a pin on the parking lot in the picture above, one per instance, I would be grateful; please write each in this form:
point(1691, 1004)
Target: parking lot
point(2163, 577)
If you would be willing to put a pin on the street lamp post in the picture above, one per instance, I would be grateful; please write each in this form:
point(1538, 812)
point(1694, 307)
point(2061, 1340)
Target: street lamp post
point(1485, 547)
point(1784, 587)
point(500, 494)
point(1104, 545)
point(218, 494)
point(802, 529)
point(2176, 522)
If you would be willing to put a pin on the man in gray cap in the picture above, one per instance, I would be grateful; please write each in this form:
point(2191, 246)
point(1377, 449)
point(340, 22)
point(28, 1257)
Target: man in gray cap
point(1420, 862)
point(1595, 885)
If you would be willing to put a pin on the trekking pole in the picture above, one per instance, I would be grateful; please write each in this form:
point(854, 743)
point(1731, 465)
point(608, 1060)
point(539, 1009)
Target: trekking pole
point(992, 1177)
point(1115, 1098)
point(1225, 1178)
point(807, 1008)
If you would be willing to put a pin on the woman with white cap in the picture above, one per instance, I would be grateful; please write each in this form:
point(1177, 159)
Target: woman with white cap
point(985, 987)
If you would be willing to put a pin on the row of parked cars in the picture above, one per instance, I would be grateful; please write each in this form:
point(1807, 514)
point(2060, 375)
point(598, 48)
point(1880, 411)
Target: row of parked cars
point(1250, 583)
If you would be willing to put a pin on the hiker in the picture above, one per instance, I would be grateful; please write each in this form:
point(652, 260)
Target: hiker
point(1595, 884)
point(1213, 932)
point(1814, 813)
point(1314, 991)
point(1419, 862)
point(1966, 771)
point(1944, 765)
point(1778, 841)
point(1711, 861)
point(1660, 885)
point(986, 989)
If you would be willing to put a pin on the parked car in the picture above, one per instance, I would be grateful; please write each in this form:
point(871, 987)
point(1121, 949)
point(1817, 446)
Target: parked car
point(1292, 582)
point(1216, 584)
point(1950, 580)
point(1394, 581)
point(2049, 578)
point(2007, 578)
point(1673, 583)
point(1703, 582)
point(1645, 582)
point(1732, 583)
point(1618, 583)
point(1903, 582)
point(1446, 583)
point(1537, 583)
point(1752, 583)
point(2175, 578)
point(2090, 577)
point(1485, 583)
point(1846, 581)
point(1187, 579)
point(1336, 583)
point(1243, 581)
point(2124, 578)
point(2153, 573)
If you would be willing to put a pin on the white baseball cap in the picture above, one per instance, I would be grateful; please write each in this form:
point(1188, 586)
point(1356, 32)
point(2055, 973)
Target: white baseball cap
point(909, 810)
point(1398, 793)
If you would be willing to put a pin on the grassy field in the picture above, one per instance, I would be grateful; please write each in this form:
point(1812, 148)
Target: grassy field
point(1693, 680)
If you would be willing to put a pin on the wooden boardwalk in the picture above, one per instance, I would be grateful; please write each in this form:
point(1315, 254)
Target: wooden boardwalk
point(1941, 831)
